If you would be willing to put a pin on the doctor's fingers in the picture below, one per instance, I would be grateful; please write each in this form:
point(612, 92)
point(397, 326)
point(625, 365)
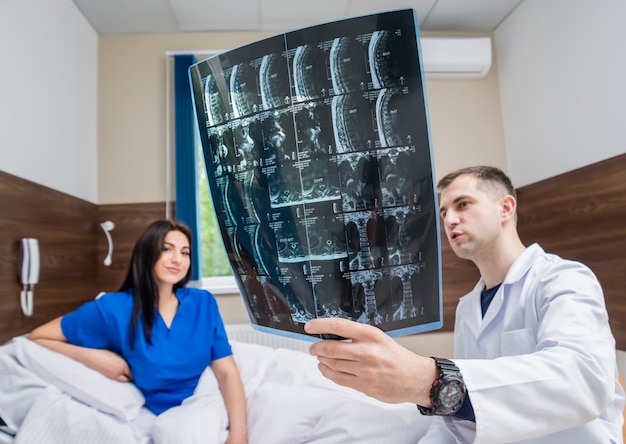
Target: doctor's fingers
point(339, 365)
point(346, 351)
point(368, 381)
point(344, 328)
point(353, 373)
point(338, 377)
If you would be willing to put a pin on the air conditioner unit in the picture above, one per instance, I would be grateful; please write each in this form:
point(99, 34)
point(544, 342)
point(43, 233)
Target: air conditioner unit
point(456, 57)
point(443, 57)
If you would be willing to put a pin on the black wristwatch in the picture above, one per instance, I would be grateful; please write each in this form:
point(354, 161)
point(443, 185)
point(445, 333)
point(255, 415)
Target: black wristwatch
point(448, 391)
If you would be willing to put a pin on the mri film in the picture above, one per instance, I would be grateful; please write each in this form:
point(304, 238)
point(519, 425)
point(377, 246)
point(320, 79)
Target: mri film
point(318, 157)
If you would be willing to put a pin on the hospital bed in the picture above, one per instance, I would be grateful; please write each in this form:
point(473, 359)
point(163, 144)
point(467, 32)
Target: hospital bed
point(47, 397)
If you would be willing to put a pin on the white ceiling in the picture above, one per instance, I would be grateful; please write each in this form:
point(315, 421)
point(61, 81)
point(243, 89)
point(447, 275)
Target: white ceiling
point(177, 16)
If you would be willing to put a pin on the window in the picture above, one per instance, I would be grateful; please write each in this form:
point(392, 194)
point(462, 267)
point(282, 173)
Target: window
point(211, 264)
point(217, 275)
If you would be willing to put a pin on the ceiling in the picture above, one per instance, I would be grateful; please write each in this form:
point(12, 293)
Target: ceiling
point(179, 16)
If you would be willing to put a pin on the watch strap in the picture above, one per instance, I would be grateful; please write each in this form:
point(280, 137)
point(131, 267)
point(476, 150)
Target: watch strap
point(446, 368)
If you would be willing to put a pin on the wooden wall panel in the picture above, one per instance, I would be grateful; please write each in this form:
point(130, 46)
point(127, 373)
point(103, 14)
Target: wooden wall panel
point(581, 215)
point(578, 215)
point(66, 229)
point(73, 247)
point(459, 276)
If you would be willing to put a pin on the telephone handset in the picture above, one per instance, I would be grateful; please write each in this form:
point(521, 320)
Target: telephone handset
point(29, 272)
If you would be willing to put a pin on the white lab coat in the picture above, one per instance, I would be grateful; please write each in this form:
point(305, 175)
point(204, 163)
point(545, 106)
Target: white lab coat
point(541, 366)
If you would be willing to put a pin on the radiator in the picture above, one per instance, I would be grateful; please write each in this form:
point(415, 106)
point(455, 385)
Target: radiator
point(245, 333)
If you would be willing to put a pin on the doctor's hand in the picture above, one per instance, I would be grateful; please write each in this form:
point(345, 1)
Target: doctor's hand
point(108, 363)
point(372, 362)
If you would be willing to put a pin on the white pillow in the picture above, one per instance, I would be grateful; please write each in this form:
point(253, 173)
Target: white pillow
point(121, 399)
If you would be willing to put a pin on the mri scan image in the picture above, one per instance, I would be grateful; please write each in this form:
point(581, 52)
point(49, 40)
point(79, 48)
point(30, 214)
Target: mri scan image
point(318, 157)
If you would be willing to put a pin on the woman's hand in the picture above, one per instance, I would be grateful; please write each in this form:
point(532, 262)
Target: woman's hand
point(108, 363)
point(231, 387)
point(237, 438)
point(111, 365)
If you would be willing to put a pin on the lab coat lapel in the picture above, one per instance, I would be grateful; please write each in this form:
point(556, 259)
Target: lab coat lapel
point(494, 308)
point(514, 275)
point(473, 319)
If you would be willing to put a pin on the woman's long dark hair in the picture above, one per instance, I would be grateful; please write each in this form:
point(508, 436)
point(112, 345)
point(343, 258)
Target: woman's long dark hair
point(141, 279)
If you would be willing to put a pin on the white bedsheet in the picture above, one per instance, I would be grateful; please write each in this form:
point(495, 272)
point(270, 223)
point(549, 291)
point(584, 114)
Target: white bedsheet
point(288, 402)
point(58, 418)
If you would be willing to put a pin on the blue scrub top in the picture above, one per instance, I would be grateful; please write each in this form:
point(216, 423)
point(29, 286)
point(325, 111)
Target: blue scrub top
point(166, 371)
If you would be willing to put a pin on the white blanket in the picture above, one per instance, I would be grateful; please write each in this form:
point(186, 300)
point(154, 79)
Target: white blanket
point(288, 402)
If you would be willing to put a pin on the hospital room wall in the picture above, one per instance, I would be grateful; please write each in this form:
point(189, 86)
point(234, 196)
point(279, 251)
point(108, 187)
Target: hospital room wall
point(105, 101)
point(553, 74)
point(562, 89)
point(48, 154)
point(563, 98)
point(464, 131)
point(49, 87)
point(132, 113)
point(132, 131)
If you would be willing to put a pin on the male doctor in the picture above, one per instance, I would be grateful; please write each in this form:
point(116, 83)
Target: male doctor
point(534, 355)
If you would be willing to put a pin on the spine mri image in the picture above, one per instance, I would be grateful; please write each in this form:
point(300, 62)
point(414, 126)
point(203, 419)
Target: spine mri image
point(318, 156)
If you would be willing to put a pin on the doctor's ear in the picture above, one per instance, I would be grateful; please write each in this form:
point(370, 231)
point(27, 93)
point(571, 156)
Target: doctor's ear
point(508, 207)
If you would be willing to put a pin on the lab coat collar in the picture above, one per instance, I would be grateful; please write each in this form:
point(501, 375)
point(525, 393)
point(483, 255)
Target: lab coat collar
point(473, 317)
point(517, 271)
point(522, 264)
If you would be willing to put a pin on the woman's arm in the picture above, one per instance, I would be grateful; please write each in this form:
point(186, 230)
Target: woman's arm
point(110, 364)
point(230, 384)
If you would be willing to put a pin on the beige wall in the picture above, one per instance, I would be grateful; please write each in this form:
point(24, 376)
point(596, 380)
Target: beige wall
point(131, 110)
point(465, 115)
point(465, 118)
point(48, 96)
point(561, 74)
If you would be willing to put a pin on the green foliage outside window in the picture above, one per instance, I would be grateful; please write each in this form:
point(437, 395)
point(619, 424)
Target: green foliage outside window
point(214, 261)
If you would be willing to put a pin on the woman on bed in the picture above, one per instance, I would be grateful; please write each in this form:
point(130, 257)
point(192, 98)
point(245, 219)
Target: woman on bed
point(155, 331)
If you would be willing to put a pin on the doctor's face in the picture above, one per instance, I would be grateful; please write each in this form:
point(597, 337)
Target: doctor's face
point(471, 217)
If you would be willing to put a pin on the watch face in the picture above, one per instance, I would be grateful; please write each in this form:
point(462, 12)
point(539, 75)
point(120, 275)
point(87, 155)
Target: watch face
point(450, 394)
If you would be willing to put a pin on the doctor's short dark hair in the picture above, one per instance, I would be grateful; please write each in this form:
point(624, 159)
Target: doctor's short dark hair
point(486, 174)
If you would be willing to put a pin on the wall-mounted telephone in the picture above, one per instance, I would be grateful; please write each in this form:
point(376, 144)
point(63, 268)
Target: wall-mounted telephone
point(28, 272)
